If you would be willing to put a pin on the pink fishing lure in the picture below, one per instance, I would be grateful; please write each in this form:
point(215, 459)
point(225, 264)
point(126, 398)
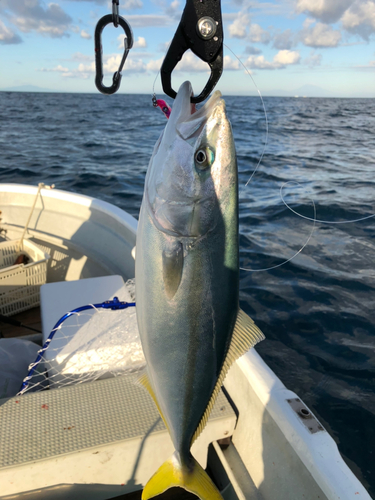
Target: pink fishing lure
point(164, 107)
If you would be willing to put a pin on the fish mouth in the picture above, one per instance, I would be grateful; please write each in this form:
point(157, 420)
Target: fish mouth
point(185, 119)
point(184, 110)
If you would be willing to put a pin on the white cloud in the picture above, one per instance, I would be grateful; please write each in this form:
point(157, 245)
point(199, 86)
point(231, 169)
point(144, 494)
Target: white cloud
point(308, 22)
point(360, 18)
point(263, 7)
point(191, 63)
point(283, 40)
point(259, 62)
point(252, 50)
point(84, 71)
point(238, 29)
point(131, 5)
point(112, 64)
point(287, 57)
point(164, 46)
point(258, 34)
point(320, 35)
point(61, 69)
point(78, 56)
point(85, 35)
point(7, 36)
point(367, 67)
point(155, 65)
point(328, 11)
point(282, 59)
point(86, 67)
point(34, 15)
point(230, 64)
point(147, 20)
point(357, 16)
point(241, 27)
point(173, 8)
point(58, 69)
point(313, 59)
point(140, 43)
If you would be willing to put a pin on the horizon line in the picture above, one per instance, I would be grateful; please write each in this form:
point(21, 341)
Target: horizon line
point(250, 94)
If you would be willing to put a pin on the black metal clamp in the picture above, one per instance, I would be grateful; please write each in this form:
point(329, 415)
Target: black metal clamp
point(128, 44)
point(200, 30)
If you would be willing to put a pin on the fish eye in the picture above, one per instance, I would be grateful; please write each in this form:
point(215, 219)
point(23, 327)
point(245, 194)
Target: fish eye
point(201, 156)
point(204, 158)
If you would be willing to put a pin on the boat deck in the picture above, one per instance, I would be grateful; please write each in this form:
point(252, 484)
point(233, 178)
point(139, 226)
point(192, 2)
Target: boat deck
point(111, 426)
point(30, 318)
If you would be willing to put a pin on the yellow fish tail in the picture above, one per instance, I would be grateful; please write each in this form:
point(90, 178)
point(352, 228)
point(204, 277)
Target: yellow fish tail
point(192, 478)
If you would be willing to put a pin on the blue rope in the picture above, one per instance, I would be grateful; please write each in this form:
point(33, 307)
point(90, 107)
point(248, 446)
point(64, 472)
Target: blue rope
point(114, 304)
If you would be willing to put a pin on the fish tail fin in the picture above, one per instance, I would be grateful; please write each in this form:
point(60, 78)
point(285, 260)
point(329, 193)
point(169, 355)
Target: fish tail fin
point(192, 478)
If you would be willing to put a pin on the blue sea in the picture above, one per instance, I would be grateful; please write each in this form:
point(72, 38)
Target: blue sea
point(316, 307)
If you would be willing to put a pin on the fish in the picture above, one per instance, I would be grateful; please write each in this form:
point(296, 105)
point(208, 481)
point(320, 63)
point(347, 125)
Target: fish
point(187, 281)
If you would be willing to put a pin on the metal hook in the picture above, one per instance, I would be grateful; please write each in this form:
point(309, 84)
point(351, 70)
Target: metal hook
point(200, 30)
point(128, 44)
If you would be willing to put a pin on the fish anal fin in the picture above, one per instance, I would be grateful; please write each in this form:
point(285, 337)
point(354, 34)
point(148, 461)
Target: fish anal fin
point(192, 478)
point(145, 382)
point(245, 335)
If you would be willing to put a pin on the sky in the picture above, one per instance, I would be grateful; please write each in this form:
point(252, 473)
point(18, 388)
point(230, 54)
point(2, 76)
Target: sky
point(289, 47)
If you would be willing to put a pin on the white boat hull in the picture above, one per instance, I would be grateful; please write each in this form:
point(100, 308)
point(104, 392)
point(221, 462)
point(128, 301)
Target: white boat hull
point(278, 451)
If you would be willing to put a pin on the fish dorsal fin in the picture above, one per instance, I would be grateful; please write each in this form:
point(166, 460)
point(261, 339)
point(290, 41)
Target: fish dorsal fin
point(145, 382)
point(245, 335)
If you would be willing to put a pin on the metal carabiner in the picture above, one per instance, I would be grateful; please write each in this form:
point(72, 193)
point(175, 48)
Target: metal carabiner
point(201, 31)
point(115, 12)
point(128, 44)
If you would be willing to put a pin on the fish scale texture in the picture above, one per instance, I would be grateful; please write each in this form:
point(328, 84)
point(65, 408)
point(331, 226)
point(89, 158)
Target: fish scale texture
point(41, 425)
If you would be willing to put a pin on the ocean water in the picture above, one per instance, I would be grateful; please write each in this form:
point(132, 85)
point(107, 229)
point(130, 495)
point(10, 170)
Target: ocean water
point(317, 309)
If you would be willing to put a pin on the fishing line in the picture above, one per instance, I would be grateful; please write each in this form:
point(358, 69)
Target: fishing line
point(257, 167)
point(306, 242)
point(265, 115)
point(153, 85)
point(325, 221)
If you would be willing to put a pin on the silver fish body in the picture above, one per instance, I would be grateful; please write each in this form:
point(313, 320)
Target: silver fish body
point(187, 270)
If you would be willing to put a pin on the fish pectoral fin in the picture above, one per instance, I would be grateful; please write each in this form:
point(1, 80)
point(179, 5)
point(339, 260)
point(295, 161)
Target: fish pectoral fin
point(173, 262)
point(245, 335)
point(145, 382)
point(192, 478)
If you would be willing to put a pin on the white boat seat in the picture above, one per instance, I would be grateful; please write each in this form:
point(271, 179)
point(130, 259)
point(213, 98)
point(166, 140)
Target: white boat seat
point(56, 299)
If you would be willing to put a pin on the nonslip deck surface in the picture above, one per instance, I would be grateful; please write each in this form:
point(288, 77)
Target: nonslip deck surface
point(40, 425)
